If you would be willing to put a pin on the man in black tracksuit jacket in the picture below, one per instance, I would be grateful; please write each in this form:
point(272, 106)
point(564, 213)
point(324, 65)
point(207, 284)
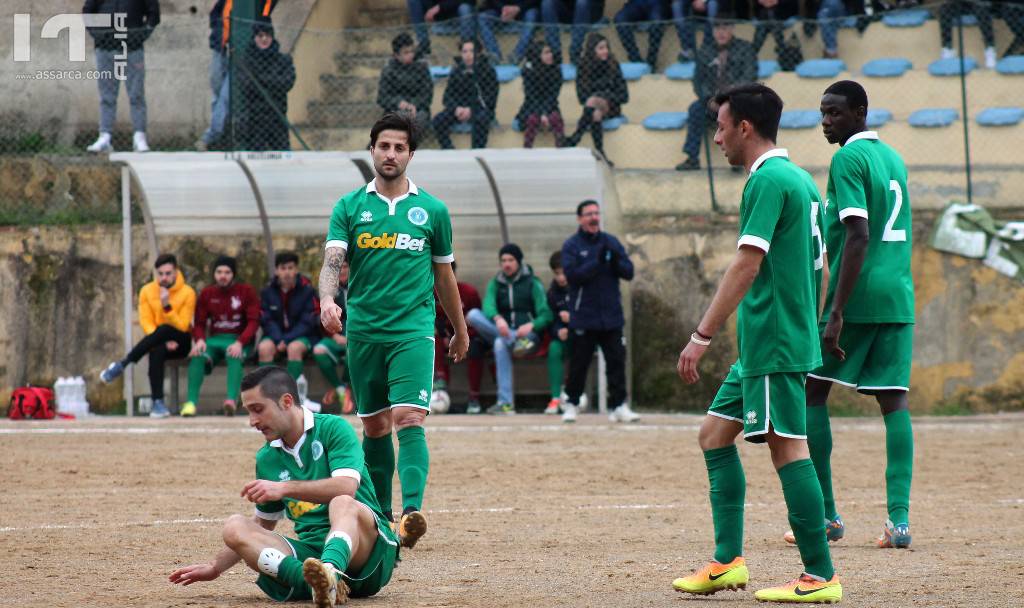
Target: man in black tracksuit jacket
point(594, 262)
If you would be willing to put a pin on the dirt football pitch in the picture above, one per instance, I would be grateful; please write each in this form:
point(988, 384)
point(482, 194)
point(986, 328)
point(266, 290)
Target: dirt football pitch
point(523, 512)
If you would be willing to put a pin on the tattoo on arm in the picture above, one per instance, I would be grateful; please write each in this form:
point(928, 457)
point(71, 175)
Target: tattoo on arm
point(333, 258)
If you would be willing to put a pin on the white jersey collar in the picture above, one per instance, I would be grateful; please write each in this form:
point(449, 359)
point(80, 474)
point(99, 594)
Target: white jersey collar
point(773, 153)
point(862, 135)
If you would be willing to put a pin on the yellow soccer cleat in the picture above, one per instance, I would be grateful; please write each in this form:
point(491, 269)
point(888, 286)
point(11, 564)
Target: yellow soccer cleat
point(804, 590)
point(715, 577)
point(411, 527)
point(188, 409)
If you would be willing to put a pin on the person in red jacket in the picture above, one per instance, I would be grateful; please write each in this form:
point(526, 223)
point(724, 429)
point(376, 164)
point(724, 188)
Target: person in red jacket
point(227, 316)
point(443, 333)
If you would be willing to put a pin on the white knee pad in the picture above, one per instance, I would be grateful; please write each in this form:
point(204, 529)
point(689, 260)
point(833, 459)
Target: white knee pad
point(269, 561)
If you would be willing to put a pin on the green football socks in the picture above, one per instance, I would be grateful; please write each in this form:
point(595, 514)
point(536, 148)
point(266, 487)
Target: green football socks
point(294, 369)
point(380, 461)
point(556, 367)
point(728, 489)
point(819, 442)
point(413, 466)
point(807, 516)
point(289, 572)
point(899, 448)
point(337, 550)
point(235, 370)
point(196, 375)
point(328, 368)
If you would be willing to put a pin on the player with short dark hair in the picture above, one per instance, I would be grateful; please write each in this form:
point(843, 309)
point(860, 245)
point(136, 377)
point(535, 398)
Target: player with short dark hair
point(773, 280)
point(399, 240)
point(311, 470)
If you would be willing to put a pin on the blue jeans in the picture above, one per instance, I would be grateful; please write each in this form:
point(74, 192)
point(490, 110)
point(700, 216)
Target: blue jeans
point(554, 12)
point(416, 11)
point(489, 18)
point(683, 15)
point(828, 17)
point(220, 86)
point(696, 123)
point(638, 11)
point(135, 87)
point(502, 351)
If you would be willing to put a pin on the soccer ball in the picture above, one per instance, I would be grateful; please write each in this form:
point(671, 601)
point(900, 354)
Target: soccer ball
point(440, 402)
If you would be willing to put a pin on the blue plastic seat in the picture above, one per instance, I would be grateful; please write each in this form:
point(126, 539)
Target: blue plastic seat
point(820, 68)
point(800, 119)
point(610, 124)
point(634, 71)
point(878, 117)
point(666, 121)
point(933, 117)
point(568, 72)
point(887, 67)
point(438, 72)
point(951, 66)
point(1000, 117)
point(766, 68)
point(1012, 64)
point(507, 73)
point(914, 17)
point(967, 20)
point(681, 71)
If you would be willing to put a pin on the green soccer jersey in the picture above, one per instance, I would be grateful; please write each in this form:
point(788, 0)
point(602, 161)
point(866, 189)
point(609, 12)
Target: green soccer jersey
point(328, 448)
point(392, 245)
point(868, 179)
point(777, 320)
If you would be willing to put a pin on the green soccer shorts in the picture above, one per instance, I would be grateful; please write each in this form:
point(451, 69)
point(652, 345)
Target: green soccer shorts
point(391, 374)
point(775, 401)
point(217, 349)
point(878, 357)
point(334, 350)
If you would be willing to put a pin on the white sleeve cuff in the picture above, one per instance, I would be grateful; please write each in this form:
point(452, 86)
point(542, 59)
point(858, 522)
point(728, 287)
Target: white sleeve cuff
point(341, 244)
point(852, 212)
point(753, 241)
point(444, 259)
point(350, 473)
point(270, 516)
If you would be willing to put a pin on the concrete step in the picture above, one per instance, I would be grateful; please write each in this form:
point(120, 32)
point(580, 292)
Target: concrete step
point(343, 115)
point(349, 64)
point(378, 14)
point(342, 89)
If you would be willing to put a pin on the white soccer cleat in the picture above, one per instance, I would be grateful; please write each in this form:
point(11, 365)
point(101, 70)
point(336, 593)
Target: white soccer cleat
point(568, 412)
point(139, 143)
point(624, 413)
point(102, 144)
point(947, 53)
point(990, 58)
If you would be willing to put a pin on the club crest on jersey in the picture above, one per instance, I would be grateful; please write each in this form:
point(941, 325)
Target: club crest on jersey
point(751, 417)
point(393, 240)
point(423, 396)
point(366, 216)
point(284, 476)
point(417, 215)
point(317, 448)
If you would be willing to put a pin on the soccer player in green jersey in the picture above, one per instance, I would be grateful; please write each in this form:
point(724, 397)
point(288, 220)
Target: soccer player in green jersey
point(772, 280)
point(868, 323)
point(311, 471)
point(399, 239)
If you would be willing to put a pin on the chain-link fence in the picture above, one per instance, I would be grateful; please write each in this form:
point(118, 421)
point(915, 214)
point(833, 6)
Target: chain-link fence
point(629, 82)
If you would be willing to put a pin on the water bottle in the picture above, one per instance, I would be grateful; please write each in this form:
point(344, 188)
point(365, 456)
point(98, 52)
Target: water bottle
point(60, 393)
point(303, 388)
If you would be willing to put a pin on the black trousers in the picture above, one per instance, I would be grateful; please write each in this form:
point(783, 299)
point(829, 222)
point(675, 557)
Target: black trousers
point(155, 345)
point(613, 346)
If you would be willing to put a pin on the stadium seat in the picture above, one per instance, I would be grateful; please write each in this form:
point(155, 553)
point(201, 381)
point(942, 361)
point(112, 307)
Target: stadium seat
point(507, 73)
point(1000, 117)
point(634, 71)
point(933, 117)
point(766, 68)
point(568, 72)
point(887, 67)
point(820, 68)
point(951, 66)
point(1014, 64)
point(800, 119)
point(967, 20)
point(610, 124)
point(908, 18)
point(665, 121)
point(438, 72)
point(681, 71)
point(878, 118)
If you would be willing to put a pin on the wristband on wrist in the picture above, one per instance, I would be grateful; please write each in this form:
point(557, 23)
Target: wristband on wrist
point(702, 336)
point(696, 339)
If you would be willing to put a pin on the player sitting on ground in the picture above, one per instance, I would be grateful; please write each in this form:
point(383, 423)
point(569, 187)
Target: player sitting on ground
point(312, 471)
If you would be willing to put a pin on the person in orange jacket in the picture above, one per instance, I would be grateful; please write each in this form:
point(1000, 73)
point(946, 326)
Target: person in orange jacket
point(166, 306)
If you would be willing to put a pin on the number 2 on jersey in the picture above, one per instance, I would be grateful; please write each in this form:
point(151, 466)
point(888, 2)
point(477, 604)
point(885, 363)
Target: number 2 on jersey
point(889, 234)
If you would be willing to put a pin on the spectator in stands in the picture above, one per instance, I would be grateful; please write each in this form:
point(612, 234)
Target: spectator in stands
point(422, 12)
point(515, 313)
point(542, 82)
point(727, 62)
point(580, 13)
point(227, 317)
point(469, 97)
point(166, 306)
point(142, 17)
point(265, 75)
point(558, 349)
point(405, 84)
point(330, 352)
point(770, 18)
point(507, 11)
point(601, 89)
point(829, 14)
point(594, 263)
point(1013, 13)
point(690, 15)
point(289, 315)
point(952, 9)
point(638, 11)
point(443, 333)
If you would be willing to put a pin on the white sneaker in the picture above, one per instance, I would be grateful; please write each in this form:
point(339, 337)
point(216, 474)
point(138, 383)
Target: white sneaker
point(312, 406)
point(948, 53)
point(584, 403)
point(102, 144)
point(568, 412)
point(139, 142)
point(990, 58)
point(623, 413)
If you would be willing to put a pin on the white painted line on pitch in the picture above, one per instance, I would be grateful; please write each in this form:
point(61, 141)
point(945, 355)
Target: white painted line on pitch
point(158, 522)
